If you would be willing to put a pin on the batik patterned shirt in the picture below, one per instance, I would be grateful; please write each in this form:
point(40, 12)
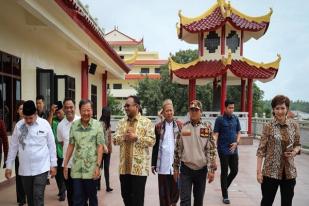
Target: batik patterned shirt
point(134, 156)
point(274, 141)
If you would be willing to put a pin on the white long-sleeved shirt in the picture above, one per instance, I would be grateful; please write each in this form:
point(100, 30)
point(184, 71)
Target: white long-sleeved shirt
point(63, 135)
point(167, 149)
point(37, 152)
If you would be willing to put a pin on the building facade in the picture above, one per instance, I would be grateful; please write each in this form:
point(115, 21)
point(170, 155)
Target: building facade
point(141, 62)
point(46, 48)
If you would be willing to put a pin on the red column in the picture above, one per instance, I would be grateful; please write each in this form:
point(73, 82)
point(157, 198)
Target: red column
point(242, 99)
point(250, 104)
point(104, 89)
point(192, 95)
point(223, 40)
point(223, 92)
point(241, 43)
point(84, 78)
point(201, 44)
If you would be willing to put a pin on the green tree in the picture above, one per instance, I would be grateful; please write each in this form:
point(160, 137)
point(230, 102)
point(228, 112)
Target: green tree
point(114, 105)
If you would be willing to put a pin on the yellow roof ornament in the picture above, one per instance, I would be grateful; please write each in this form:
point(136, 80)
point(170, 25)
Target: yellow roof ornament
point(132, 59)
point(173, 66)
point(228, 60)
point(275, 64)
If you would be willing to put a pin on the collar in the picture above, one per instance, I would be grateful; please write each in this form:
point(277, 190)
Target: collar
point(136, 118)
point(196, 124)
point(89, 124)
point(285, 123)
point(227, 116)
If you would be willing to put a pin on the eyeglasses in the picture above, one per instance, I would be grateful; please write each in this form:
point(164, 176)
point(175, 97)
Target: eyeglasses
point(194, 109)
point(128, 105)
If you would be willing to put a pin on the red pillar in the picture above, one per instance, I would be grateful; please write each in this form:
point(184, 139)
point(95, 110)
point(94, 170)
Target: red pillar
point(242, 99)
point(241, 43)
point(84, 78)
point(201, 44)
point(192, 95)
point(104, 89)
point(250, 104)
point(223, 92)
point(223, 40)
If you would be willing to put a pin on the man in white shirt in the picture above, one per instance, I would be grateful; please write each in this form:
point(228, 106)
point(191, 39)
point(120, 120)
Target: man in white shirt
point(63, 135)
point(34, 141)
point(163, 155)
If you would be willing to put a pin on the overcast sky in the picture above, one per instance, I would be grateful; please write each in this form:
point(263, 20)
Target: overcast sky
point(155, 20)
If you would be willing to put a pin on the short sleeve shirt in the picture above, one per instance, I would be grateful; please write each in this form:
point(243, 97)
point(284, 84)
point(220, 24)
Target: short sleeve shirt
point(228, 128)
point(86, 141)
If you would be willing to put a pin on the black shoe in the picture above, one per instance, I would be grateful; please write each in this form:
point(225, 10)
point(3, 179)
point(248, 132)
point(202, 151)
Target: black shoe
point(226, 201)
point(21, 204)
point(109, 189)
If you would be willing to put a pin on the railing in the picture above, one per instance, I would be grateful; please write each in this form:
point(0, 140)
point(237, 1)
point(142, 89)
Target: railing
point(207, 116)
point(258, 123)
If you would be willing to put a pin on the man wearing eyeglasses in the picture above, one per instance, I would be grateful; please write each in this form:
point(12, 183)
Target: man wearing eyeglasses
point(135, 135)
point(195, 156)
point(227, 134)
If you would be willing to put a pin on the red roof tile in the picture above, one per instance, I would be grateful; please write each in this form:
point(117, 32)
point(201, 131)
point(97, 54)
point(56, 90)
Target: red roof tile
point(211, 69)
point(216, 20)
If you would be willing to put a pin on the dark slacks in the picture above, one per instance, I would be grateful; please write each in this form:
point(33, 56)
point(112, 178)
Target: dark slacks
point(269, 189)
point(59, 178)
point(69, 188)
point(105, 164)
point(133, 189)
point(192, 178)
point(85, 190)
point(20, 193)
point(226, 162)
point(34, 187)
point(168, 190)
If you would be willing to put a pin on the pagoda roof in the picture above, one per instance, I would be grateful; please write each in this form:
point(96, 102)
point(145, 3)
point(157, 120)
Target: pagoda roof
point(241, 68)
point(135, 61)
point(217, 16)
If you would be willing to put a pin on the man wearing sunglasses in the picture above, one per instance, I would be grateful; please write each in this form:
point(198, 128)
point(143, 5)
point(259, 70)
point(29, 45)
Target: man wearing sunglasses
point(227, 133)
point(195, 156)
point(135, 135)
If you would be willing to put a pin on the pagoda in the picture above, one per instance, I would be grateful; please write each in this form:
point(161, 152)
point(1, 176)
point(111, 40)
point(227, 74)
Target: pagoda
point(220, 34)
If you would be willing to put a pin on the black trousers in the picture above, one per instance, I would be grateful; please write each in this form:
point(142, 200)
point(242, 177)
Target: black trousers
point(69, 188)
point(20, 193)
point(59, 178)
point(34, 187)
point(133, 189)
point(226, 162)
point(85, 190)
point(105, 164)
point(269, 189)
point(168, 190)
point(192, 178)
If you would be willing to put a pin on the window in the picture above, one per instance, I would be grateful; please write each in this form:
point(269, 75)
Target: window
point(64, 87)
point(94, 100)
point(120, 48)
point(232, 41)
point(145, 70)
point(10, 87)
point(158, 70)
point(45, 85)
point(117, 86)
point(107, 86)
point(212, 42)
point(121, 56)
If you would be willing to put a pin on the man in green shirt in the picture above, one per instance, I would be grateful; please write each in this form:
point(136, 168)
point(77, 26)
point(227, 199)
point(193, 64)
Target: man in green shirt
point(56, 114)
point(87, 137)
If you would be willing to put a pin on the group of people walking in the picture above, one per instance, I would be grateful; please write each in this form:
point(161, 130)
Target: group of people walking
point(184, 154)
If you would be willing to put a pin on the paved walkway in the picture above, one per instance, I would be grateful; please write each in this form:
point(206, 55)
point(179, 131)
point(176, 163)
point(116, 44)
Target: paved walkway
point(245, 191)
